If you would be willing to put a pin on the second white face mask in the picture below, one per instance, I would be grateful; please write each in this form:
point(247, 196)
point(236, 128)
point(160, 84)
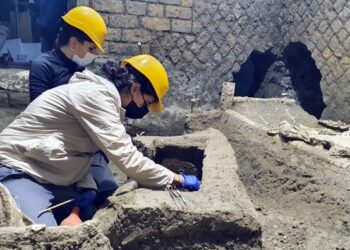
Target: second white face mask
point(86, 60)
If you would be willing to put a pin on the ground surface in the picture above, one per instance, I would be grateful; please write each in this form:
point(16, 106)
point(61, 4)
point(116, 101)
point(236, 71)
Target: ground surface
point(301, 197)
point(303, 201)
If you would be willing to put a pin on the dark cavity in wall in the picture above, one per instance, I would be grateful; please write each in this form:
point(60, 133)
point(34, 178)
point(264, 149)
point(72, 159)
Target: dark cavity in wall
point(305, 78)
point(292, 74)
point(252, 73)
point(187, 160)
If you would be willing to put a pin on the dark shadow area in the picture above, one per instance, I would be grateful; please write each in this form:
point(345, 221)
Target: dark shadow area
point(305, 78)
point(173, 126)
point(252, 73)
point(181, 160)
point(28, 28)
point(293, 74)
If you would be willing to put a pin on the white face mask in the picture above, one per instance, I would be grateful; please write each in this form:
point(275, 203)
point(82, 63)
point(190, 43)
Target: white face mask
point(86, 60)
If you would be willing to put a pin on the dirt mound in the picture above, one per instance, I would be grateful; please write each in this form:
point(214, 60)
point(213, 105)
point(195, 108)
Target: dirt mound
point(299, 189)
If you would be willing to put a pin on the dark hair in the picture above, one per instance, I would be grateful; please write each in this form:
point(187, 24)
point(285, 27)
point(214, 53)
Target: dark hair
point(125, 76)
point(67, 31)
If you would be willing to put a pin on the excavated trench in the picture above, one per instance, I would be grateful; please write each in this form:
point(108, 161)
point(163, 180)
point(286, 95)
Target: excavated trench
point(213, 217)
point(180, 160)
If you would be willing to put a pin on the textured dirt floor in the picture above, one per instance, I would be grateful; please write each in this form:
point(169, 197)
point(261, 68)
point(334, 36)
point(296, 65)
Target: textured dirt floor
point(301, 197)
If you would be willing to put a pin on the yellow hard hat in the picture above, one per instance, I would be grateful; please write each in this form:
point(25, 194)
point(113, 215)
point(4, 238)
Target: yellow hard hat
point(154, 71)
point(88, 21)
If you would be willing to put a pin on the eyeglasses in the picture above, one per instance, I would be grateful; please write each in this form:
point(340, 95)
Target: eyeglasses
point(148, 102)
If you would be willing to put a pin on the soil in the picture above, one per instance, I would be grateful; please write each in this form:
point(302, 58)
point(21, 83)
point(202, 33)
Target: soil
point(301, 197)
point(303, 201)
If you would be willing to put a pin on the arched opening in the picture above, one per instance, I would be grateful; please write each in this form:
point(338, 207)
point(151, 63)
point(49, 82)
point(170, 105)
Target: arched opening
point(305, 78)
point(252, 73)
point(293, 74)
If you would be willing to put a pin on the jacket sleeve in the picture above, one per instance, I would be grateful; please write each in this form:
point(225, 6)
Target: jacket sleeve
point(39, 79)
point(98, 113)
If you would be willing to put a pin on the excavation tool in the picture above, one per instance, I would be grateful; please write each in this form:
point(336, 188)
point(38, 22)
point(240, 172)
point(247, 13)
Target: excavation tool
point(55, 206)
point(176, 195)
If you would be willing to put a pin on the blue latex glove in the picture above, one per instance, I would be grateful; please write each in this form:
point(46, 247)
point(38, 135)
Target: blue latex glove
point(191, 182)
point(86, 199)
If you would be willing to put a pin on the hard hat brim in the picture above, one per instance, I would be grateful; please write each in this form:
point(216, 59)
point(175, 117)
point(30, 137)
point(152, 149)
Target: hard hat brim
point(156, 107)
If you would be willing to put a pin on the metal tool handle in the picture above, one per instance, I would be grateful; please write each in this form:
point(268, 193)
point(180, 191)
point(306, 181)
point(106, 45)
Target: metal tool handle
point(55, 206)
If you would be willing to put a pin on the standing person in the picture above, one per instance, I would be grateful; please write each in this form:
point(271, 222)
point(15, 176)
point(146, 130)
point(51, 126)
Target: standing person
point(34, 12)
point(79, 41)
point(47, 150)
point(47, 18)
point(4, 21)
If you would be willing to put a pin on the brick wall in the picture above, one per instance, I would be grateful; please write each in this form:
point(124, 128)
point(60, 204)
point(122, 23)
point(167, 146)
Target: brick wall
point(202, 42)
point(14, 90)
point(131, 22)
point(324, 27)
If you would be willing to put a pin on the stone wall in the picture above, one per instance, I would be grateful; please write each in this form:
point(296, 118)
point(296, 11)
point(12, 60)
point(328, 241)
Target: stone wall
point(324, 27)
point(14, 90)
point(202, 42)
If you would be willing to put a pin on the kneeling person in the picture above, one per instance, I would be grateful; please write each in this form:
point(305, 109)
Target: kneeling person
point(46, 152)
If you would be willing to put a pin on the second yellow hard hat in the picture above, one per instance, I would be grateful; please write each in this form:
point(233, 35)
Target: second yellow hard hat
point(88, 21)
point(154, 71)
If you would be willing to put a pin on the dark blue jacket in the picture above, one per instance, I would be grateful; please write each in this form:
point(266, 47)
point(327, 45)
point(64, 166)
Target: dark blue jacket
point(49, 70)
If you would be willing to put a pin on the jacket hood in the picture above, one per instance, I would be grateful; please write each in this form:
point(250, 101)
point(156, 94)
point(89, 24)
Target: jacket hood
point(88, 75)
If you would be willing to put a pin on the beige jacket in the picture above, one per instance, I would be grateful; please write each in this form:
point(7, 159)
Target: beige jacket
point(55, 137)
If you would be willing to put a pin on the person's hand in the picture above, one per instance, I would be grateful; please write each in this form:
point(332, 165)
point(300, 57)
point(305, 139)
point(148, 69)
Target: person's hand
point(191, 182)
point(86, 199)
